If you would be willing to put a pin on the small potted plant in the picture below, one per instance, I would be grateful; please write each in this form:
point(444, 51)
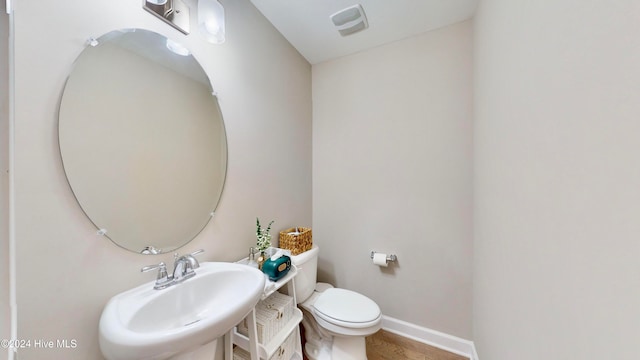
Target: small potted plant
point(263, 241)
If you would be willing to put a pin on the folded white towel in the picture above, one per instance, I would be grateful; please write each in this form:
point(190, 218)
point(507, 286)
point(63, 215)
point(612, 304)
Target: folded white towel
point(269, 287)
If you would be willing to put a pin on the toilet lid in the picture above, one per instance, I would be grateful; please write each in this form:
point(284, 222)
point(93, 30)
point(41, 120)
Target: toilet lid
point(346, 306)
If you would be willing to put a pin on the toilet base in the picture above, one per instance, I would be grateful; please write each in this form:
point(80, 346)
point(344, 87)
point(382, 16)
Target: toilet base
point(342, 348)
point(349, 348)
point(327, 341)
point(317, 352)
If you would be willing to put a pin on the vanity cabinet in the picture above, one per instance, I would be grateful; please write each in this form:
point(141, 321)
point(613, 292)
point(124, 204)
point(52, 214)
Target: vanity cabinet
point(285, 344)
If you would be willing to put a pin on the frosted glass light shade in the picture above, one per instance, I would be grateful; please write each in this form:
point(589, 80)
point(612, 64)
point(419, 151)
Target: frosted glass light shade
point(211, 20)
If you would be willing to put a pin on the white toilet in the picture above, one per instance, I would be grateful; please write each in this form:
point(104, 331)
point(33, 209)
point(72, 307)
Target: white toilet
point(336, 321)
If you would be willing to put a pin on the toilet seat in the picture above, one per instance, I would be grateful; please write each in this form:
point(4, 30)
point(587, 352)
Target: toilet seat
point(346, 308)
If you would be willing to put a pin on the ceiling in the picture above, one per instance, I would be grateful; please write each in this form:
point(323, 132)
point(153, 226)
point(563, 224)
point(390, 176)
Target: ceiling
point(307, 26)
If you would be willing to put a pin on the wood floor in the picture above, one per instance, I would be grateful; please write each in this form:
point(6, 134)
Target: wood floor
point(384, 345)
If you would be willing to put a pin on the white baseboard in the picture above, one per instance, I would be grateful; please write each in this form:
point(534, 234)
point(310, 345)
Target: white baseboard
point(427, 336)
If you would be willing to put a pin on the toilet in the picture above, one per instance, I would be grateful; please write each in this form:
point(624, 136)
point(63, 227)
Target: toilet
point(335, 320)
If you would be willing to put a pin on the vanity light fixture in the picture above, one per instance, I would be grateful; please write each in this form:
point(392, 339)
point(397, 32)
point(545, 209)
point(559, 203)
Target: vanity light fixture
point(176, 14)
point(172, 12)
point(211, 21)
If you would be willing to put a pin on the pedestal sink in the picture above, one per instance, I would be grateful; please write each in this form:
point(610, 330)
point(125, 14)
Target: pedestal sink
point(143, 323)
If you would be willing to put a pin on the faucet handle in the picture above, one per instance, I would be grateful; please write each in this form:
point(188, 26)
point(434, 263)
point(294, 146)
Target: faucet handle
point(191, 263)
point(162, 280)
point(176, 256)
point(189, 257)
point(199, 251)
point(162, 267)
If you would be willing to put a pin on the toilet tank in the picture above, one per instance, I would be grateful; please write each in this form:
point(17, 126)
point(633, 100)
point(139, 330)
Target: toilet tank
point(307, 264)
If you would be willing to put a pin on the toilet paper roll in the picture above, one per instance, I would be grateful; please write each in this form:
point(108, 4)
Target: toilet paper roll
point(380, 259)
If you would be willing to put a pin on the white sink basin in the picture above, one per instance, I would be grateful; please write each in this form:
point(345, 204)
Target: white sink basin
point(143, 323)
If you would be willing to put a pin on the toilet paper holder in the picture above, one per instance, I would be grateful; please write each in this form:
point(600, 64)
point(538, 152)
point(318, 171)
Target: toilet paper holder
point(390, 258)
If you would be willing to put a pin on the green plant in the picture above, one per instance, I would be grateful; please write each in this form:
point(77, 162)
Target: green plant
point(262, 235)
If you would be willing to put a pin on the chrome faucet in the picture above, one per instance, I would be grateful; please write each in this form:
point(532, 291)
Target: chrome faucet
point(183, 269)
point(184, 265)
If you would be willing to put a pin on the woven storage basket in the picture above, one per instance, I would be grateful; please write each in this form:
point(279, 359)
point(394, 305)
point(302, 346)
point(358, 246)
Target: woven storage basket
point(241, 354)
point(296, 243)
point(272, 314)
point(286, 349)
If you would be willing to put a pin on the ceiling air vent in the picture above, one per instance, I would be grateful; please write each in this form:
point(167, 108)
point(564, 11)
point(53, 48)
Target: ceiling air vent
point(350, 20)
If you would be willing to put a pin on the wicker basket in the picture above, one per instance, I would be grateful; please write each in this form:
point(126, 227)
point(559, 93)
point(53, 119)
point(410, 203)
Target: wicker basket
point(296, 243)
point(272, 314)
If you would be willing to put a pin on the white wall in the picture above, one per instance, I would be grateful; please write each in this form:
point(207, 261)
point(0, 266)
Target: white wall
point(66, 273)
point(5, 317)
point(392, 172)
point(557, 175)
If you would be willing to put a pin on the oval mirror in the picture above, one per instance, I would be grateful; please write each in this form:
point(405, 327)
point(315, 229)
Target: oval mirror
point(142, 140)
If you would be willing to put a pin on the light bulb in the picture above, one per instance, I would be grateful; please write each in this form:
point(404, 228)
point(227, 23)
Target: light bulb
point(211, 21)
